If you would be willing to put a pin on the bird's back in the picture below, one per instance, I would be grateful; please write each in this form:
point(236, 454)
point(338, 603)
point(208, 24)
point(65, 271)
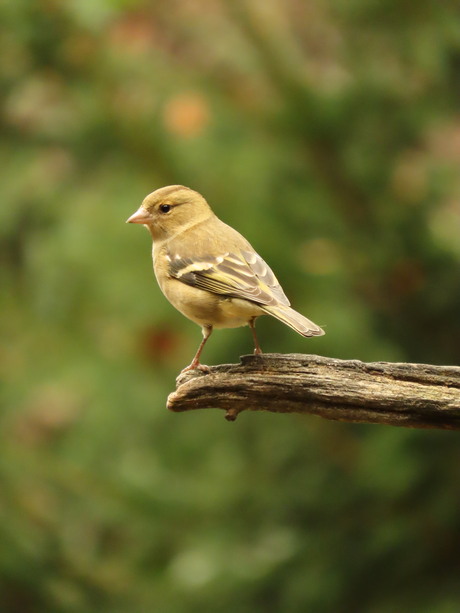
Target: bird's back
point(216, 238)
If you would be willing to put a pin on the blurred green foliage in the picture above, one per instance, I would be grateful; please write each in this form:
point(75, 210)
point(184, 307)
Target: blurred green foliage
point(329, 134)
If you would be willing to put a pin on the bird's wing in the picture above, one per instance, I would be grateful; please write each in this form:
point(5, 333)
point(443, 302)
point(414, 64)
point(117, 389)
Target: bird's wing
point(239, 275)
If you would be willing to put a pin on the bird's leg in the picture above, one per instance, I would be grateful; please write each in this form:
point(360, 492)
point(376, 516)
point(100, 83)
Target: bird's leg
point(252, 325)
point(195, 363)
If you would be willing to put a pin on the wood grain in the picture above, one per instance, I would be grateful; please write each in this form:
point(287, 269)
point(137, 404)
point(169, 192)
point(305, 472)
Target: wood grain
point(397, 394)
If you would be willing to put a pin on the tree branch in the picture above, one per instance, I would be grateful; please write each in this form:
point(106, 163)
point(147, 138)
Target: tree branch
point(411, 395)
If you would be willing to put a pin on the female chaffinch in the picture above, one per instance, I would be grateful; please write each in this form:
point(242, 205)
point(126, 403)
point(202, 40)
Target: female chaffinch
point(208, 271)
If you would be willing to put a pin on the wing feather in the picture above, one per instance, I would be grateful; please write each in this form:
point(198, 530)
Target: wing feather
point(238, 275)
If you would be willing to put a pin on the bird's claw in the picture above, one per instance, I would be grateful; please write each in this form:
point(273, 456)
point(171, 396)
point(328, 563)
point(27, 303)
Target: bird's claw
point(196, 366)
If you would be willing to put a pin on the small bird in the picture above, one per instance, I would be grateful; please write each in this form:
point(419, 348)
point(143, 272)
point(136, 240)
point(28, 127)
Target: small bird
point(208, 271)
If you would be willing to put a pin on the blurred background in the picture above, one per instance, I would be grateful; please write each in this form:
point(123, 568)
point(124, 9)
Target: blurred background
point(328, 133)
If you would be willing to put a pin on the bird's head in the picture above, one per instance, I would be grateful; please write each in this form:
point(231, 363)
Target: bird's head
point(169, 210)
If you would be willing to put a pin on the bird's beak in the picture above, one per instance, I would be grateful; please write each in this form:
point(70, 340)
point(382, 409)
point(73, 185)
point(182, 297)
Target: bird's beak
point(140, 216)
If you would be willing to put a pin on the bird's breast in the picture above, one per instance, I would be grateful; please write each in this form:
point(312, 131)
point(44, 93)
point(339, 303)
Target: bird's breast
point(207, 308)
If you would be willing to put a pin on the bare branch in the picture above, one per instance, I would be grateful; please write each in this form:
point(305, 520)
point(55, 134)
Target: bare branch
point(411, 395)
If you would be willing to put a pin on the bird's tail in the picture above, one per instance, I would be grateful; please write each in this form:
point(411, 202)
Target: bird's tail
point(295, 320)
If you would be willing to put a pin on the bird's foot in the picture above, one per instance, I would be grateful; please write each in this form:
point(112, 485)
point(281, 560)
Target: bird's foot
point(196, 366)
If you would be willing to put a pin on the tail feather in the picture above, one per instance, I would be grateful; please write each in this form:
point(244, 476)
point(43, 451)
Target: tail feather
point(295, 320)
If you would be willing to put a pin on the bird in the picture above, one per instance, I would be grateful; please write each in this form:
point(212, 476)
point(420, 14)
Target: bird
point(209, 271)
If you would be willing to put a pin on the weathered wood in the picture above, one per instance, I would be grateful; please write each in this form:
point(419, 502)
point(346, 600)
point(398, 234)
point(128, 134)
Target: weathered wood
point(397, 394)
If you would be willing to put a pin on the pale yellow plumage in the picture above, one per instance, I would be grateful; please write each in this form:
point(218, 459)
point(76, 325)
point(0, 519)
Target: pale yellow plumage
point(208, 271)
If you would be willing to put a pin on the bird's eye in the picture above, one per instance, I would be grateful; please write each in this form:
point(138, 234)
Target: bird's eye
point(165, 208)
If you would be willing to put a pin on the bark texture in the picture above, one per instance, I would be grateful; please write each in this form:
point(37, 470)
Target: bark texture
point(411, 395)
